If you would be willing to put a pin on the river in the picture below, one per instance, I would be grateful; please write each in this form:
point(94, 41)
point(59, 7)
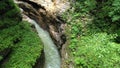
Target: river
point(52, 57)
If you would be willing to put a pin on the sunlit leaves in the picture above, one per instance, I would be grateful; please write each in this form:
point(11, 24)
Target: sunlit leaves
point(97, 51)
point(93, 45)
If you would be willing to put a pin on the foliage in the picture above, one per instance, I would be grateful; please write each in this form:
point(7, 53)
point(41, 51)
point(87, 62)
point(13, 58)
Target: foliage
point(115, 12)
point(9, 14)
point(108, 9)
point(93, 34)
point(1, 58)
point(85, 6)
point(17, 35)
point(9, 26)
point(26, 51)
point(7, 7)
point(9, 35)
point(97, 51)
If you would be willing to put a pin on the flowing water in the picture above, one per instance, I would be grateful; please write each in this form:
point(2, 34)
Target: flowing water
point(52, 58)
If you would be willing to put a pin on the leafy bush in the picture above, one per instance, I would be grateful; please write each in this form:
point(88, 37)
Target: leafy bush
point(26, 51)
point(9, 25)
point(115, 12)
point(9, 14)
point(8, 38)
point(25, 44)
point(93, 34)
point(108, 9)
point(97, 51)
point(8, 9)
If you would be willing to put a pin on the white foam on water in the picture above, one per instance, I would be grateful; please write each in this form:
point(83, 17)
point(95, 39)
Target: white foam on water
point(52, 57)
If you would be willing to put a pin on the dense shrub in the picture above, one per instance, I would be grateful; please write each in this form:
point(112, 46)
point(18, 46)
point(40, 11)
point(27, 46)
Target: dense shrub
point(17, 35)
point(97, 51)
point(7, 7)
point(26, 51)
point(9, 26)
point(9, 14)
point(115, 12)
point(93, 34)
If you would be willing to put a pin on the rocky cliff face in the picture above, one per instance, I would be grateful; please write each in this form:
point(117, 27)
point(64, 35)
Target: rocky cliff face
point(53, 6)
point(47, 14)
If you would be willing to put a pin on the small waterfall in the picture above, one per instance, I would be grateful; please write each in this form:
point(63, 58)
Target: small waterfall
point(52, 57)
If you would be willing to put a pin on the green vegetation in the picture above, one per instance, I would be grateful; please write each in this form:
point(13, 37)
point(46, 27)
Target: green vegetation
point(1, 57)
point(17, 35)
point(25, 49)
point(97, 51)
point(93, 33)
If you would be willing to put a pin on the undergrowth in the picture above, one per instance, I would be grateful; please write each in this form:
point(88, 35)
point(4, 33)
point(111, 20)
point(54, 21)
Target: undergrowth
point(92, 30)
point(26, 50)
point(18, 36)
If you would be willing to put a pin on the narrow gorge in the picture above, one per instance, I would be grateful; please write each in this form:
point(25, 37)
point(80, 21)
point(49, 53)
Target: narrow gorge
point(59, 34)
point(52, 57)
point(45, 19)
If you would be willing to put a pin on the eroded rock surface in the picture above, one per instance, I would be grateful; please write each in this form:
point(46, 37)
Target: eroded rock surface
point(53, 6)
point(46, 14)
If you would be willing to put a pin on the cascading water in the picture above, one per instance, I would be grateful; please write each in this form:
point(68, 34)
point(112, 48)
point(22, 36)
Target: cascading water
point(52, 57)
point(36, 9)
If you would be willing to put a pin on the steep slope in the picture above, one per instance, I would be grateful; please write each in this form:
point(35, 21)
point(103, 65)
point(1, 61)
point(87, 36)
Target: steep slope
point(19, 44)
